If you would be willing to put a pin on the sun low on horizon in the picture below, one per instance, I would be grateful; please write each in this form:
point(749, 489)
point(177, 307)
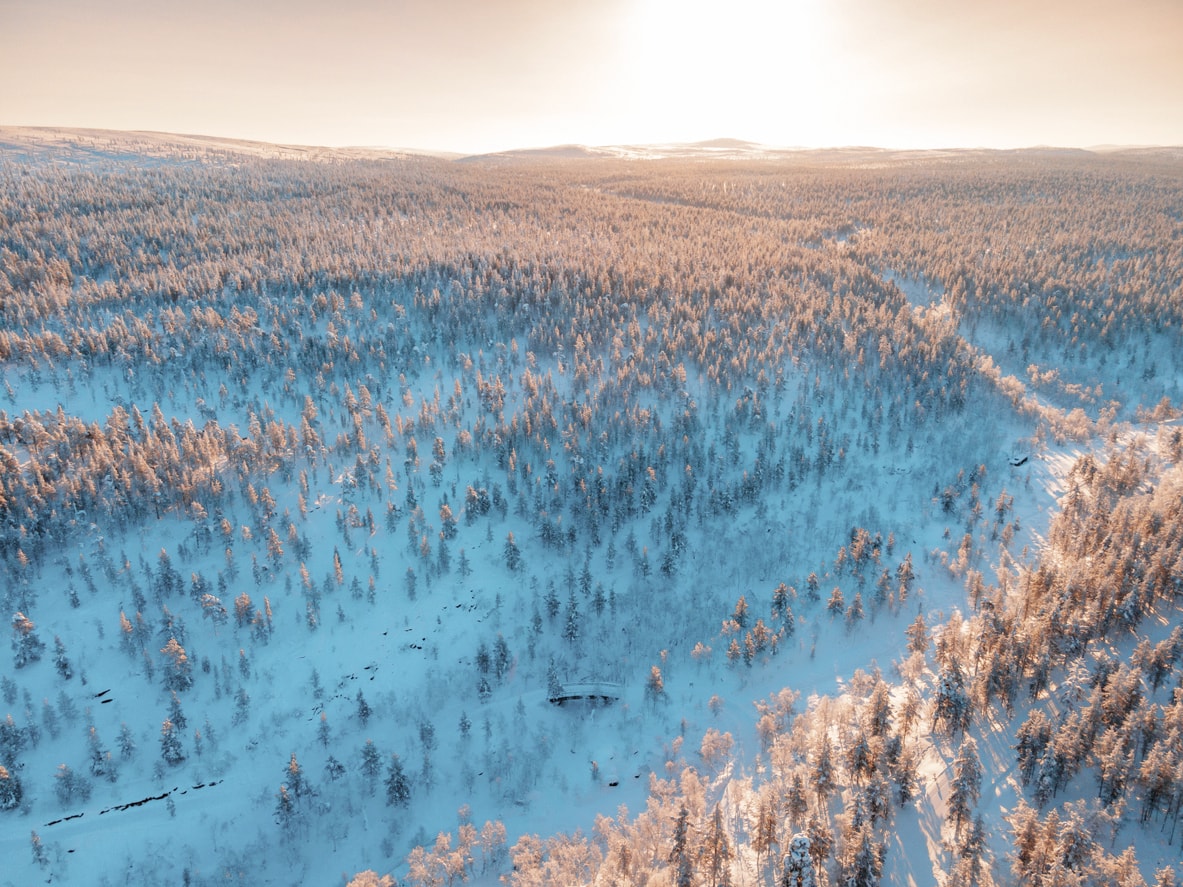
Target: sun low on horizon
point(472, 76)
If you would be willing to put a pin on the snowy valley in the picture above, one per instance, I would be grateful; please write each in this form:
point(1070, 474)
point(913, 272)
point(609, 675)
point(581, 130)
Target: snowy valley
point(541, 519)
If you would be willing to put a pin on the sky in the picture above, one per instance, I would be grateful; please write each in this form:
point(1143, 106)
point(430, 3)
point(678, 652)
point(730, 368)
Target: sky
point(485, 75)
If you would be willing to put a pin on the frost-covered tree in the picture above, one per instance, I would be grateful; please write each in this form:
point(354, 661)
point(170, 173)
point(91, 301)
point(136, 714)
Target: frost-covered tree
point(11, 792)
point(334, 769)
point(12, 741)
point(61, 661)
point(170, 743)
point(822, 767)
point(917, 634)
point(501, 658)
point(680, 854)
point(716, 851)
point(398, 786)
point(966, 785)
point(969, 868)
point(371, 764)
point(952, 707)
point(127, 741)
point(297, 783)
point(242, 707)
point(40, 857)
point(513, 555)
point(178, 671)
point(101, 763)
point(70, 787)
point(837, 602)
point(554, 687)
point(175, 713)
point(798, 864)
point(854, 613)
point(26, 646)
point(370, 878)
point(655, 685)
point(285, 810)
point(571, 630)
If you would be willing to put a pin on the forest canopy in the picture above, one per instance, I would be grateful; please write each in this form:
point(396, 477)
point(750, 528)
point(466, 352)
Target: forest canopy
point(644, 421)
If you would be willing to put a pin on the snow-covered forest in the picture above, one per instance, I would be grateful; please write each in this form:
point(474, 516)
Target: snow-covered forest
point(793, 520)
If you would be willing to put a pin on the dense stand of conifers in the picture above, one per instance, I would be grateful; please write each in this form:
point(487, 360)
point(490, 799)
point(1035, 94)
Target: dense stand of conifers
point(598, 325)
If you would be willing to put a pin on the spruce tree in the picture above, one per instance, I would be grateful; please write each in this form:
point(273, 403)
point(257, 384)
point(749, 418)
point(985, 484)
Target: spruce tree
point(680, 856)
point(371, 764)
point(170, 744)
point(10, 789)
point(398, 787)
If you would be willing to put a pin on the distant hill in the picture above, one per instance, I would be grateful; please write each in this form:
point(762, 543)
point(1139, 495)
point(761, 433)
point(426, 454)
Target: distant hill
point(80, 144)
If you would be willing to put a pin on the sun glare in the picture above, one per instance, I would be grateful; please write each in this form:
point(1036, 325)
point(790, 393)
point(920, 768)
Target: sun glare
point(701, 68)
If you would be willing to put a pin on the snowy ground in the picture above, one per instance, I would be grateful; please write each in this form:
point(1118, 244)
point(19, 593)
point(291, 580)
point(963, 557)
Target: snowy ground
point(258, 698)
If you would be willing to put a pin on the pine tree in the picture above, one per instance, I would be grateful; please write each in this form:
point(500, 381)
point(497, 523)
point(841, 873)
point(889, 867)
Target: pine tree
point(26, 646)
point(39, 855)
point(764, 836)
point(854, 613)
point(285, 810)
point(170, 744)
point(654, 685)
point(363, 709)
point(571, 629)
point(823, 769)
point(952, 709)
point(717, 852)
point(100, 760)
point(968, 870)
point(905, 575)
point(242, 707)
point(398, 787)
point(821, 840)
point(371, 764)
point(917, 634)
point(127, 742)
point(178, 674)
point(836, 603)
point(554, 687)
point(175, 714)
point(798, 864)
point(334, 769)
point(862, 860)
point(780, 602)
point(501, 658)
point(10, 789)
point(680, 856)
point(966, 785)
point(60, 661)
point(69, 786)
point(513, 555)
point(297, 784)
point(740, 615)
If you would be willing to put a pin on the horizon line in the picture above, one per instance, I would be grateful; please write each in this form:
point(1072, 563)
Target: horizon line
point(718, 142)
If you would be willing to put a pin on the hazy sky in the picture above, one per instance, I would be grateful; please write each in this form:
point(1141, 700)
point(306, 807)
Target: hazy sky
point(481, 75)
